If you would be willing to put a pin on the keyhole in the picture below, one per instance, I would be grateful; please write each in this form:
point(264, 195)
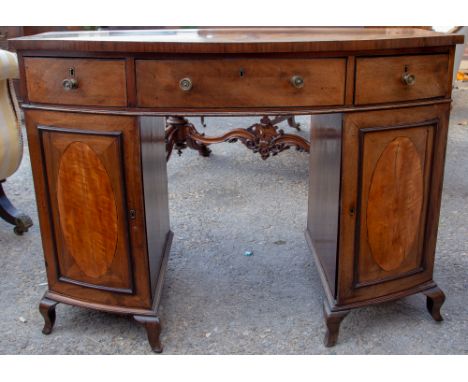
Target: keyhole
point(241, 72)
point(71, 72)
point(406, 68)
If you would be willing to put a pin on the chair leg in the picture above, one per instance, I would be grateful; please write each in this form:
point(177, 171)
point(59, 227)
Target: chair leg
point(10, 214)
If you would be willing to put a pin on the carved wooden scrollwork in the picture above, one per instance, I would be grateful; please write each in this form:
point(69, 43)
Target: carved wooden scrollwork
point(264, 138)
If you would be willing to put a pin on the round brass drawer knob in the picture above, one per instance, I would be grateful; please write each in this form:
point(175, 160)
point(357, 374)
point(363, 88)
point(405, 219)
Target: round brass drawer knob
point(185, 84)
point(297, 81)
point(408, 79)
point(69, 84)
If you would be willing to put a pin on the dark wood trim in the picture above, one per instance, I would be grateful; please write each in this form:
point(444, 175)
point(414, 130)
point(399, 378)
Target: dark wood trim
point(232, 112)
point(412, 272)
point(350, 78)
point(64, 279)
point(197, 56)
point(78, 131)
point(102, 307)
point(131, 83)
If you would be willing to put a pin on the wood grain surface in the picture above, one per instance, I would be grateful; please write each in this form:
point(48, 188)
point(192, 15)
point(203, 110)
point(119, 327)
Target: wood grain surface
point(100, 82)
point(87, 209)
point(238, 40)
point(394, 203)
point(240, 82)
point(379, 79)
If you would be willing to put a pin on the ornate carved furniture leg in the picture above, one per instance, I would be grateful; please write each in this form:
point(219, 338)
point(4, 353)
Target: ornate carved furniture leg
point(202, 120)
point(332, 321)
point(434, 301)
point(153, 330)
point(47, 309)
point(9, 213)
point(177, 136)
point(291, 119)
point(292, 123)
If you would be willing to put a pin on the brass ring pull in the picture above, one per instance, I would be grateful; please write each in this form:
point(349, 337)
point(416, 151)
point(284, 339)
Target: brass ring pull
point(185, 84)
point(408, 79)
point(69, 84)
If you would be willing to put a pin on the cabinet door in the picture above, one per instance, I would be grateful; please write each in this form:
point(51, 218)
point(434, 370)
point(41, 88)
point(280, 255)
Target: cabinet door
point(391, 189)
point(88, 182)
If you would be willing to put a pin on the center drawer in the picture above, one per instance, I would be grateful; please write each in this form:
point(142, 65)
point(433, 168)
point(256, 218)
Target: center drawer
point(240, 82)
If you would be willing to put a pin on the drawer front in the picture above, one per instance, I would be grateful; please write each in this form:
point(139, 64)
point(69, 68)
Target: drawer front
point(98, 82)
point(380, 79)
point(241, 82)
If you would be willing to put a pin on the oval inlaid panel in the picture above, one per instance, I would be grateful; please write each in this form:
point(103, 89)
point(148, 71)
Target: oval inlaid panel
point(87, 209)
point(394, 203)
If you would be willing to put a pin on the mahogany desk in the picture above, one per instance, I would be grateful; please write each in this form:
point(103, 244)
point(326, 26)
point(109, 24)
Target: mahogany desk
point(104, 110)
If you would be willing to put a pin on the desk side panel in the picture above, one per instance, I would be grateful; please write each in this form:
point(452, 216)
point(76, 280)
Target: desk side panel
point(324, 192)
point(153, 156)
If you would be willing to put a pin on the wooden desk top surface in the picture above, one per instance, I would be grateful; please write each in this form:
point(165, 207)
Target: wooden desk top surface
point(237, 40)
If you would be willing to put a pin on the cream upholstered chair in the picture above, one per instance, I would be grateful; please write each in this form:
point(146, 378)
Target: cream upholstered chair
point(11, 142)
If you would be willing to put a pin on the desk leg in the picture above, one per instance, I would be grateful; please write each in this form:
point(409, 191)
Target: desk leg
point(435, 299)
point(47, 309)
point(333, 321)
point(153, 330)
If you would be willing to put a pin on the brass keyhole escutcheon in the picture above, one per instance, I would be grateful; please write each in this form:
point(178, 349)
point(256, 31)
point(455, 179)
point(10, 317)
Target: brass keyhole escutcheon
point(70, 83)
point(241, 72)
point(408, 78)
